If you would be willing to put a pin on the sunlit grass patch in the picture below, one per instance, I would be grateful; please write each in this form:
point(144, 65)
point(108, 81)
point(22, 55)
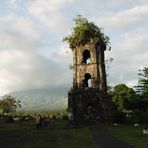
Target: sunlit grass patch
point(129, 133)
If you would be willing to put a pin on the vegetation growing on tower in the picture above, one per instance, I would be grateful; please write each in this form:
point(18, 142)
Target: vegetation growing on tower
point(85, 32)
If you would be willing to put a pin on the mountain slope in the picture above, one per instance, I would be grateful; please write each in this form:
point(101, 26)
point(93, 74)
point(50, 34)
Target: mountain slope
point(42, 99)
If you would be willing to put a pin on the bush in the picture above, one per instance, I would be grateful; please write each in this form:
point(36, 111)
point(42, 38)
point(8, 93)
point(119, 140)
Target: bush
point(118, 117)
point(137, 116)
point(8, 119)
point(145, 117)
point(26, 118)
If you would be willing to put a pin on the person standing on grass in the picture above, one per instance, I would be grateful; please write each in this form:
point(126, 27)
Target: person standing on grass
point(44, 122)
point(38, 118)
point(41, 122)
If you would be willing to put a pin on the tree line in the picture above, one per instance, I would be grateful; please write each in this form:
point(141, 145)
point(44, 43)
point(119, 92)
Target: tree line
point(133, 101)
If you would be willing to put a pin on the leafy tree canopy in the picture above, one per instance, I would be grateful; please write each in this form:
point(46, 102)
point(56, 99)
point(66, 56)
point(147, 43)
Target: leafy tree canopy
point(122, 94)
point(137, 104)
point(9, 104)
point(85, 32)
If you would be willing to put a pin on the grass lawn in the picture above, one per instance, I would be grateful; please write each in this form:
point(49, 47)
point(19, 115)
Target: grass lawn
point(60, 135)
point(56, 135)
point(129, 133)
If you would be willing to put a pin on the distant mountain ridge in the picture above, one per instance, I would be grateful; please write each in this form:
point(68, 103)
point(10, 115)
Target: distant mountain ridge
point(42, 99)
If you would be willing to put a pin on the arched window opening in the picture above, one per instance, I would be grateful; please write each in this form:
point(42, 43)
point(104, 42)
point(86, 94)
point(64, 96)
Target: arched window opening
point(87, 80)
point(86, 56)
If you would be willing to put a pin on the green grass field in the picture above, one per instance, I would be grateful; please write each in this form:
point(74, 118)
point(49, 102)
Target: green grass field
point(129, 133)
point(61, 135)
point(57, 135)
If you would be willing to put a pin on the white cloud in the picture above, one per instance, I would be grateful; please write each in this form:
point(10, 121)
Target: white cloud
point(126, 2)
point(12, 2)
point(38, 24)
point(63, 54)
point(22, 70)
point(40, 6)
point(129, 55)
point(18, 33)
point(49, 12)
point(126, 19)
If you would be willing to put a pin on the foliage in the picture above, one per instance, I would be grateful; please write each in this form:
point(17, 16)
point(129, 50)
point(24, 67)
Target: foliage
point(9, 104)
point(137, 116)
point(137, 104)
point(142, 87)
point(59, 114)
point(85, 32)
point(122, 94)
point(118, 117)
point(139, 108)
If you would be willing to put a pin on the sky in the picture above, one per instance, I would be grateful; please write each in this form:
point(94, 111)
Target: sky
point(33, 56)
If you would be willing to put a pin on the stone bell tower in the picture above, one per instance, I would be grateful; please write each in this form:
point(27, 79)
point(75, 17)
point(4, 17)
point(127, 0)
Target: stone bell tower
point(88, 97)
point(89, 67)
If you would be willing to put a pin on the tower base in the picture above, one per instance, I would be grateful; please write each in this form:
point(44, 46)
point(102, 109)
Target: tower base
point(89, 104)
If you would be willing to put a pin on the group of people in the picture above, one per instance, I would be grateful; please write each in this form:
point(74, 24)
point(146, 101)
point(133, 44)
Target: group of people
point(41, 121)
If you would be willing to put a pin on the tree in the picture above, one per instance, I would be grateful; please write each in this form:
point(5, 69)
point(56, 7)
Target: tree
point(121, 94)
point(137, 104)
point(142, 87)
point(85, 32)
point(141, 101)
point(9, 104)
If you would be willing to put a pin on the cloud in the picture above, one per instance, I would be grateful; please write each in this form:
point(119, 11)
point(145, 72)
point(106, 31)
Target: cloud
point(31, 52)
point(130, 55)
point(12, 1)
point(63, 54)
point(50, 13)
point(126, 2)
point(128, 33)
point(22, 70)
point(126, 19)
point(40, 6)
point(22, 42)
point(18, 33)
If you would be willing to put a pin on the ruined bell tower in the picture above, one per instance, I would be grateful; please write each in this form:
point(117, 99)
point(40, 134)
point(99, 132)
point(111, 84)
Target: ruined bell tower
point(88, 97)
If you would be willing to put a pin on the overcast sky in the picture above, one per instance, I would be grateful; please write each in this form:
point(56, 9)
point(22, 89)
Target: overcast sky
point(32, 54)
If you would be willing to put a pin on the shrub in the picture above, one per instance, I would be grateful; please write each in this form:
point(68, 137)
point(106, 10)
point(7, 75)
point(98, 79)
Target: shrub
point(118, 117)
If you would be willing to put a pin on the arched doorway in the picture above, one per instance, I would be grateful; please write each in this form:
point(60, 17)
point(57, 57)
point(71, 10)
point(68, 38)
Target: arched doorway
point(87, 78)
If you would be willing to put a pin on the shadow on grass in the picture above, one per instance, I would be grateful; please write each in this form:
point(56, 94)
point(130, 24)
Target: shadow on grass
point(58, 134)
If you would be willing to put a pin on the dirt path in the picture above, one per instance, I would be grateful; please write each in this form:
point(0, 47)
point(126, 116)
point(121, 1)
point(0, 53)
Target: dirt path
point(106, 140)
